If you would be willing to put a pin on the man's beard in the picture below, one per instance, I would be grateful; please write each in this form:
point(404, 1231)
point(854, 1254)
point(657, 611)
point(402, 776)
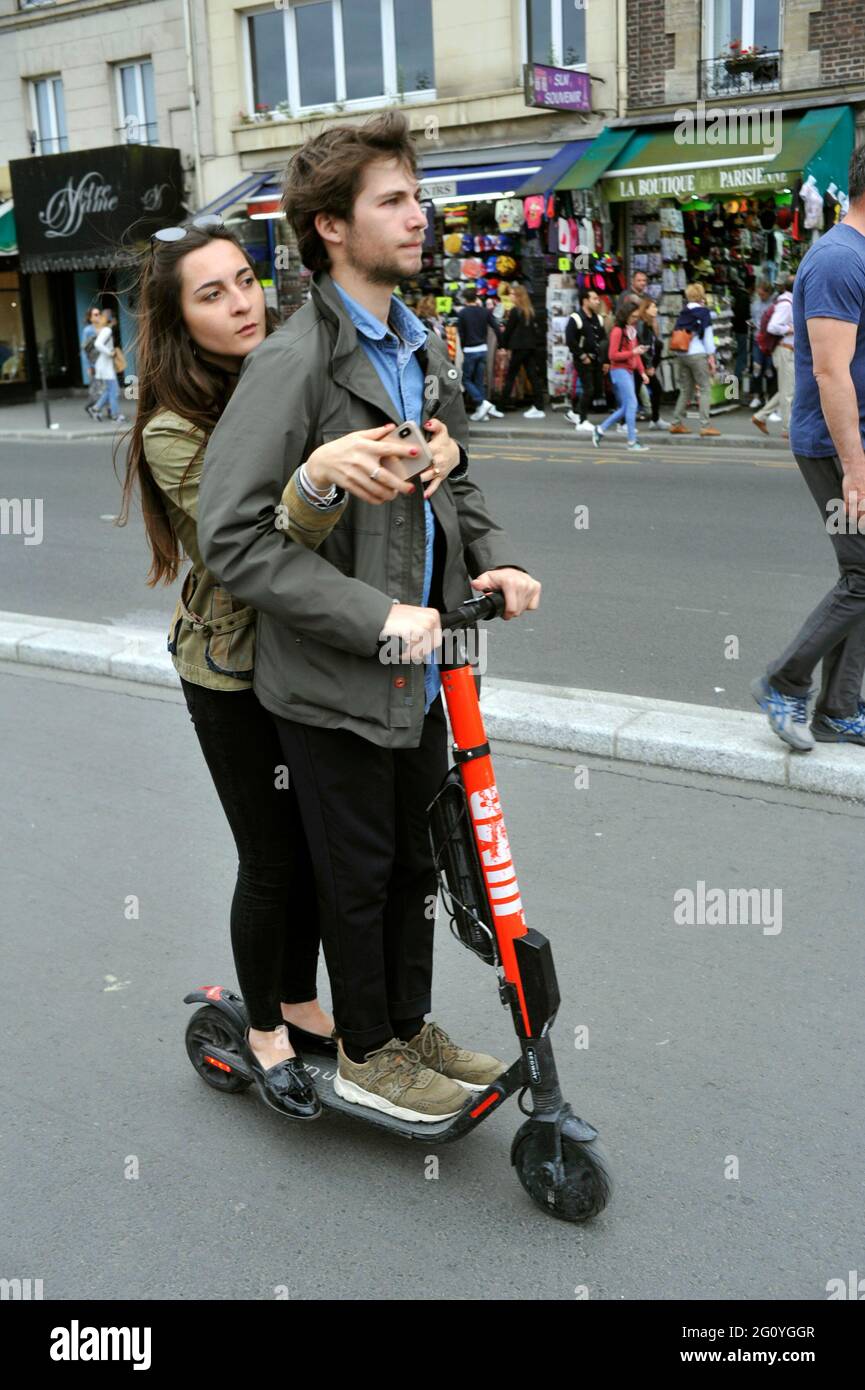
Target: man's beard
point(379, 271)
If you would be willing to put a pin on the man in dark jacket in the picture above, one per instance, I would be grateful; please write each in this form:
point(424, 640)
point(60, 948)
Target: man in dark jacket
point(584, 336)
point(365, 739)
point(474, 322)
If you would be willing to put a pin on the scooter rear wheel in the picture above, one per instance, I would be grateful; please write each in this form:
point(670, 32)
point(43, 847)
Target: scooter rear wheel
point(209, 1028)
point(586, 1183)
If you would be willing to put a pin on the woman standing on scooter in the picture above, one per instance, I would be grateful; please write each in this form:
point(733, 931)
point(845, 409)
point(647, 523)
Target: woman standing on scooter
point(202, 311)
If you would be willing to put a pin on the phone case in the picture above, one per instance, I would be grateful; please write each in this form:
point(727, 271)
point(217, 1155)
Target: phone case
point(408, 468)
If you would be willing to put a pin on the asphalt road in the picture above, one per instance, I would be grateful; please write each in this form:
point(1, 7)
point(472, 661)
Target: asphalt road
point(685, 548)
point(126, 1177)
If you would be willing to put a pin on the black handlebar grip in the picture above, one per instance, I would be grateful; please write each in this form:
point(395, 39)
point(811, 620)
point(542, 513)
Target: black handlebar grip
point(489, 605)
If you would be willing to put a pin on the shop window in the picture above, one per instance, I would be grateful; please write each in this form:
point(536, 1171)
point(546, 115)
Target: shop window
point(13, 356)
point(48, 112)
point(136, 102)
point(743, 40)
point(556, 32)
point(314, 54)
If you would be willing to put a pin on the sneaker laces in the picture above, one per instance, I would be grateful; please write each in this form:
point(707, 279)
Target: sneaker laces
point(435, 1043)
point(401, 1061)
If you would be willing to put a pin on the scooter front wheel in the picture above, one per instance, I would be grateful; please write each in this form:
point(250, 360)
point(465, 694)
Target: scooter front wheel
point(582, 1187)
point(208, 1028)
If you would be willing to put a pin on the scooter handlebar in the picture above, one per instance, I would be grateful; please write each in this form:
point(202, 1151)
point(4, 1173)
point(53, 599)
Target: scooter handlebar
point(489, 605)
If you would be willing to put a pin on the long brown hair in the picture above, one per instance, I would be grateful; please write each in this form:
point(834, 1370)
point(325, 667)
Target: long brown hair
point(645, 304)
point(520, 296)
point(171, 376)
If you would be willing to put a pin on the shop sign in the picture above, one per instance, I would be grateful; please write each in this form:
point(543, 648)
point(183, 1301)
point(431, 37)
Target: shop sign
point(95, 200)
point(558, 89)
point(721, 179)
point(444, 188)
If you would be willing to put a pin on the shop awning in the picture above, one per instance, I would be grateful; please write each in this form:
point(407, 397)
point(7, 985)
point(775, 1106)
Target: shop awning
point(547, 177)
point(596, 160)
point(8, 233)
point(240, 193)
point(699, 157)
point(820, 144)
point(472, 182)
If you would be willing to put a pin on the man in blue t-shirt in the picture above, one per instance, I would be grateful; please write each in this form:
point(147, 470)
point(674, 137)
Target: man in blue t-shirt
point(827, 433)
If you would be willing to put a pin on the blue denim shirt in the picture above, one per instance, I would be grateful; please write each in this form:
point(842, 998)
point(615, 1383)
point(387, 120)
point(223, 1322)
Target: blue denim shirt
point(402, 376)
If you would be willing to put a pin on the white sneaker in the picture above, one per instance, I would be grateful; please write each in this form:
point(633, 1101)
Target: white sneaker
point(492, 413)
point(774, 417)
point(572, 416)
point(482, 411)
point(534, 414)
point(754, 403)
point(586, 426)
point(621, 429)
point(658, 425)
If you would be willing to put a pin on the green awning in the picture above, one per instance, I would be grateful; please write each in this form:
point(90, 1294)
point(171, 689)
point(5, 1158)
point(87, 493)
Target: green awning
point(705, 155)
point(8, 233)
point(821, 144)
point(596, 160)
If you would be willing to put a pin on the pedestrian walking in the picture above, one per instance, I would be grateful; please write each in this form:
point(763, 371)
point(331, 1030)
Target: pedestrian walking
point(366, 747)
point(763, 369)
point(695, 363)
point(521, 340)
point(474, 323)
point(105, 372)
point(649, 335)
point(429, 315)
point(626, 358)
point(778, 340)
point(635, 290)
point(92, 325)
point(584, 335)
point(827, 436)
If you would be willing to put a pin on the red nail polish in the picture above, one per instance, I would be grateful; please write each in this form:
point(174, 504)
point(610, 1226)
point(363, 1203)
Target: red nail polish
point(413, 452)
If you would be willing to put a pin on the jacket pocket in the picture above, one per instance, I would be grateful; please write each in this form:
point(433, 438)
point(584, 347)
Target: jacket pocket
point(230, 646)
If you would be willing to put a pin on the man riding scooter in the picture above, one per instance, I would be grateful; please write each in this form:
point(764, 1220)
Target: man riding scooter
point(365, 741)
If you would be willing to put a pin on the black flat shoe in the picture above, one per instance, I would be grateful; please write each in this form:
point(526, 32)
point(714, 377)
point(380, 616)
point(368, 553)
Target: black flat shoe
point(314, 1042)
point(287, 1087)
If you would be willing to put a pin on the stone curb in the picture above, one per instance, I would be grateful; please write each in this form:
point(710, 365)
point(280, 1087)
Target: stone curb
point(627, 728)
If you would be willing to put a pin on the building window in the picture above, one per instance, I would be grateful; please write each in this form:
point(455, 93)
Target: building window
point(136, 102)
point(49, 116)
point(556, 32)
point(339, 53)
point(743, 40)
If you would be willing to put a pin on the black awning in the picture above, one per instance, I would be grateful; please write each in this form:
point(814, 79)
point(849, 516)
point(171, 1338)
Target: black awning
point(93, 208)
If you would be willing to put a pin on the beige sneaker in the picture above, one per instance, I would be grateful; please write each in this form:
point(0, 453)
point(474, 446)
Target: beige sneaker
point(394, 1080)
point(474, 1071)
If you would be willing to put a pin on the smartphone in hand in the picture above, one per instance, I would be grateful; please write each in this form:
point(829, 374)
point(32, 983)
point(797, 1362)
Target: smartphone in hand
point(407, 468)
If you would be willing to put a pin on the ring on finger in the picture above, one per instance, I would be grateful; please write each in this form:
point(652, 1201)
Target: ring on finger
point(375, 472)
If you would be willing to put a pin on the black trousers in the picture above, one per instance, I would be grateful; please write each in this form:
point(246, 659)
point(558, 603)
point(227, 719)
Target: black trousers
point(835, 632)
point(654, 390)
point(364, 813)
point(274, 910)
point(523, 358)
point(588, 387)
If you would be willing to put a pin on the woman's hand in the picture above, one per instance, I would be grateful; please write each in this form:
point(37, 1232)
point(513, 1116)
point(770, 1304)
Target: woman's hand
point(445, 452)
point(357, 462)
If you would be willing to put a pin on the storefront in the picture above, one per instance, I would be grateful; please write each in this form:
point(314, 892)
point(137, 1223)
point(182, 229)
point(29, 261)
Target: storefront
point(82, 220)
point(745, 211)
point(14, 383)
point(251, 209)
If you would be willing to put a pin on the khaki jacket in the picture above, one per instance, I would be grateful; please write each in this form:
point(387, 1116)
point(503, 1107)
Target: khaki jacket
point(321, 612)
point(211, 637)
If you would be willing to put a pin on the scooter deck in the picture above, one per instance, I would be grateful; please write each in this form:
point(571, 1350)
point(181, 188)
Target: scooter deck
point(322, 1069)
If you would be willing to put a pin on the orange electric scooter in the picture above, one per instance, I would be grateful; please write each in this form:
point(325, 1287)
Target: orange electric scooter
point(558, 1158)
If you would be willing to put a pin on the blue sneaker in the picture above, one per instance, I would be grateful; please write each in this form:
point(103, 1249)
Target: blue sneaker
point(787, 714)
point(828, 730)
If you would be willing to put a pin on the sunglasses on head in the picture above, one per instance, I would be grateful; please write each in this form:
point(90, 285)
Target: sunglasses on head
point(207, 221)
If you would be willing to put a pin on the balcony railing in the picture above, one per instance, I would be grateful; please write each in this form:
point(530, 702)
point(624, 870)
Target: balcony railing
point(735, 77)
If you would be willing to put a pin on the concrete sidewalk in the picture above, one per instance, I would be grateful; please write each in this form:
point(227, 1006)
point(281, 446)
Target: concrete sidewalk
point(27, 422)
point(659, 733)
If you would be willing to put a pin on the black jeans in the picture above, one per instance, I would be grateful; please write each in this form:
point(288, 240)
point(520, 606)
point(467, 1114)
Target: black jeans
point(588, 386)
point(654, 390)
point(364, 813)
point(835, 631)
point(523, 358)
point(274, 911)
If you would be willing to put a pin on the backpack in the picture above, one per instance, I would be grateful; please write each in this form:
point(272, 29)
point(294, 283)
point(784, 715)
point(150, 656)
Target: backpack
point(766, 341)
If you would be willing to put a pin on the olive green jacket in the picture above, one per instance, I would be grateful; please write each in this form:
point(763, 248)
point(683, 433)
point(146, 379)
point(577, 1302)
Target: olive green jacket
point(321, 612)
point(212, 635)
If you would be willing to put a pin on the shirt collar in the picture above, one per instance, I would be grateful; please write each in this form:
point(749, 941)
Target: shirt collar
point(410, 328)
